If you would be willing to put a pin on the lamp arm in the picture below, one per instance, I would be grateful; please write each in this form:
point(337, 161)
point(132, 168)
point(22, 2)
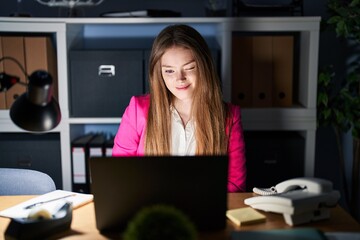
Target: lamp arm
point(19, 65)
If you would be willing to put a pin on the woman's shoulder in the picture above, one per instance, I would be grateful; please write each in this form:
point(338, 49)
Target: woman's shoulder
point(232, 108)
point(142, 101)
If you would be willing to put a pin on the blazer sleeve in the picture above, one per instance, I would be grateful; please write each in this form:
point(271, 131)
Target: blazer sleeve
point(236, 152)
point(127, 141)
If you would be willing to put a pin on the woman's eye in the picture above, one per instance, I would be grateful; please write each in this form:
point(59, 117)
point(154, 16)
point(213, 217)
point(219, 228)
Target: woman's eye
point(168, 71)
point(190, 68)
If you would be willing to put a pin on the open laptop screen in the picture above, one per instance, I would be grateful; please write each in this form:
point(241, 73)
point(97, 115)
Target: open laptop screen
point(196, 185)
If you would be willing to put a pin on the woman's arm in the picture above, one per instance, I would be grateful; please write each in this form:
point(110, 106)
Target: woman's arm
point(129, 138)
point(236, 151)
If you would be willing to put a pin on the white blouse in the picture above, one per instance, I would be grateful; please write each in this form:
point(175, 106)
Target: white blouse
point(183, 138)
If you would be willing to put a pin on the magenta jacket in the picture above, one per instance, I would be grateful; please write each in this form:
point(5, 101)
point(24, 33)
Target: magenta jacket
point(133, 125)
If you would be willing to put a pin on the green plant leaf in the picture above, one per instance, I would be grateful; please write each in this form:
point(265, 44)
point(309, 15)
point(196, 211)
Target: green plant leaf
point(327, 113)
point(341, 28)
point(354, 3)
point(334, 20)
point(323, 98)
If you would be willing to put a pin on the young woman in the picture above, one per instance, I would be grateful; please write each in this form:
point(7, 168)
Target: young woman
point(184, 114)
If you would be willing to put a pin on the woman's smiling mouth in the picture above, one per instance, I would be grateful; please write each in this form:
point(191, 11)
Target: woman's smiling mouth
point(183, 87)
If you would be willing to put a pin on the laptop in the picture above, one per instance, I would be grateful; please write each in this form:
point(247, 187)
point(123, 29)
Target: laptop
point(196, 185)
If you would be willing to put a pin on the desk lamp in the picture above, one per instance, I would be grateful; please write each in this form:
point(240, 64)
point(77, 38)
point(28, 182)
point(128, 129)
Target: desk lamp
point(36, 110)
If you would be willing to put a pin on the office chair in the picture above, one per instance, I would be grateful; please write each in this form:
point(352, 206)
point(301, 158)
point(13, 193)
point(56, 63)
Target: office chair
point(24, 182)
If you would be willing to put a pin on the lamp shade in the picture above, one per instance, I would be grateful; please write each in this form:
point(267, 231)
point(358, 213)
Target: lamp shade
point(36, 110)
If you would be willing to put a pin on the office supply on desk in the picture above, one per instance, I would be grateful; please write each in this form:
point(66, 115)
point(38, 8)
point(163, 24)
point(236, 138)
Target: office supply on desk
point(300, 200)
point(39, 228)
point(36, 204)
point(22, 210)
point(246, 215)
point(193, 184)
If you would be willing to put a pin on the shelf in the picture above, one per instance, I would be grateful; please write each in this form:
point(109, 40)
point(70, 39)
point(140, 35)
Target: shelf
point(279, 119)
point(86, 33)
point(94, 120)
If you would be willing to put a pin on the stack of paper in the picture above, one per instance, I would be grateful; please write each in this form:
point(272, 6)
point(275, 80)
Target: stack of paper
point(49, 201)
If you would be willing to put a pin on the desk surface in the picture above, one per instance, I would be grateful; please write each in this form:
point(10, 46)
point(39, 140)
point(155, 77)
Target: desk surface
point(83, 223)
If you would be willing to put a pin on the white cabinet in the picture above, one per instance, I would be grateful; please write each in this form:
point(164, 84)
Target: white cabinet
point(114, 33)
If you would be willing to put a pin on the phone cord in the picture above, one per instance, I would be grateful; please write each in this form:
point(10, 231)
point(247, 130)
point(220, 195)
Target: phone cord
point(265, 191)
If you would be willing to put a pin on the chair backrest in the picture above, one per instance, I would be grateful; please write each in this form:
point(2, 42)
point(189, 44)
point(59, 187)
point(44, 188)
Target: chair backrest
point(15, 181)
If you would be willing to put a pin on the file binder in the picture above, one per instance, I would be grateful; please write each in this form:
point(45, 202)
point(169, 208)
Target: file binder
point(108, 146)
point(96, 146)
point(262, 71)
point(283, 54)
point(242, 71)
point(80, 156)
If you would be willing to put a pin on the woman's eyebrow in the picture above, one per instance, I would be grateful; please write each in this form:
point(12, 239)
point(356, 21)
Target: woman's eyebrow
point(191, 61)
point(164, 65)
point(187, 63)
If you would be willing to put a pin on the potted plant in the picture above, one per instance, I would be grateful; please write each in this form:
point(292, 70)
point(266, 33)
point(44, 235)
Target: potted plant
point(339, 98)
point(157, 222)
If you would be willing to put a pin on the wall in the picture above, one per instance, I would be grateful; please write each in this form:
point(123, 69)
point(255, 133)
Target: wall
point(188, 8)
point(37, 10)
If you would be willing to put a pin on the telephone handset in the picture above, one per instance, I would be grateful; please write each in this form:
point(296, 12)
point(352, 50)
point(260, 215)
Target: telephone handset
point(300, 199)
point(315, 185)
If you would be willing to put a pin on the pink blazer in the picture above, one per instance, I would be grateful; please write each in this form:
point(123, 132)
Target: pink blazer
point(130, 138)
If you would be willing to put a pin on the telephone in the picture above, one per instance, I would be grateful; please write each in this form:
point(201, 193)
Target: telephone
point(300, 200)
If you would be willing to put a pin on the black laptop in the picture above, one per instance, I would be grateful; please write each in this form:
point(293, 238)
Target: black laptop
point(195, 185)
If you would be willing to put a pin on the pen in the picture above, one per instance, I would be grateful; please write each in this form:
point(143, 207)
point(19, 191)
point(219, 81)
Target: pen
point(51, 200)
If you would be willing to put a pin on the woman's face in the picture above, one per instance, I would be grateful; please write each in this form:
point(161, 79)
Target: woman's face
point(179, 71)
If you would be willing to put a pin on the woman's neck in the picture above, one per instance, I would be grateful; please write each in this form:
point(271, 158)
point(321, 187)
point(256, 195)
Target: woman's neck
point(184, 110)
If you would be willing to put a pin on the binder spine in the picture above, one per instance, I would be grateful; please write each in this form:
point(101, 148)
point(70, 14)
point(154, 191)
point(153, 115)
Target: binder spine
point(80, 166)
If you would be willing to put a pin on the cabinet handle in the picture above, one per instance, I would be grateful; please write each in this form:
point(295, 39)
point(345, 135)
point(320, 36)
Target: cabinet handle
point(106, 70)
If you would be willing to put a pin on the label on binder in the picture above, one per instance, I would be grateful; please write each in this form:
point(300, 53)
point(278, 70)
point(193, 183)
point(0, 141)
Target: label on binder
point(79, 168)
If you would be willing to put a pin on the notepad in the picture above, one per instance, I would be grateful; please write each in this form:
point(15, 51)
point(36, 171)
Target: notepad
point(245, 215)
point(21, 210)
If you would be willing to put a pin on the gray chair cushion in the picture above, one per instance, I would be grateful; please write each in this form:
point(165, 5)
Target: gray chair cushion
point(24, 182)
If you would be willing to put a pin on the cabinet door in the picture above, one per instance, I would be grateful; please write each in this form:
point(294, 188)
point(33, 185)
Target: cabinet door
point(39, 152)
point(273, 157)
point(102, 82)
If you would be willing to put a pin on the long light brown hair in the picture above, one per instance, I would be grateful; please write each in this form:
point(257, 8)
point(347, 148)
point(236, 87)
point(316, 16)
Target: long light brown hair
point(208, 109)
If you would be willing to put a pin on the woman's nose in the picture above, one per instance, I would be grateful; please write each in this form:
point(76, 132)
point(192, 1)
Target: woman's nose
point(181, 76)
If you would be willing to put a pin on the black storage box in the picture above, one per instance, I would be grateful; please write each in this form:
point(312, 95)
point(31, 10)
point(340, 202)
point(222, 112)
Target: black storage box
point(272, 157)
point(102, 82)
point(39, 152)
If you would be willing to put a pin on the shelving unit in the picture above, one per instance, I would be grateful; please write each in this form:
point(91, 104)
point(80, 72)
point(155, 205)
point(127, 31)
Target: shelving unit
point(72, 33)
